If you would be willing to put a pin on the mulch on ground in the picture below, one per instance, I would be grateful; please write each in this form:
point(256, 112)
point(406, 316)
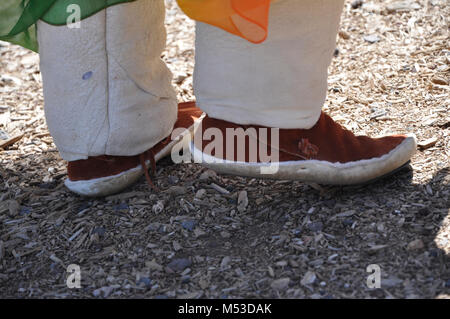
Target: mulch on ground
point(210, 236)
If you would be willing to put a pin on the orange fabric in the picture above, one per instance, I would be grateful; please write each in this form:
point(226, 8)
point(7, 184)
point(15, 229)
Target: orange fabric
point(248, 19)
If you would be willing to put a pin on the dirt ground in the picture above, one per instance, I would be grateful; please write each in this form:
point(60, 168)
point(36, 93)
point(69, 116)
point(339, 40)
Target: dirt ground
point(390, 74)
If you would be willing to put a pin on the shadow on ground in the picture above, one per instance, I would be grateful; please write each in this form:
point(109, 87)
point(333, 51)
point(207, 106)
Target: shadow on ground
point(292, 241)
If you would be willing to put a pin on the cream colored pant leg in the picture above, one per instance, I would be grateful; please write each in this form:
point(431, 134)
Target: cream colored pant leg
point(279, 83)
point(106, 89)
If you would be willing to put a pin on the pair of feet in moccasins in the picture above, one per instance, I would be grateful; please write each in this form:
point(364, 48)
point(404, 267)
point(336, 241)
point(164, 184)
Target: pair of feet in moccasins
point(325, 154)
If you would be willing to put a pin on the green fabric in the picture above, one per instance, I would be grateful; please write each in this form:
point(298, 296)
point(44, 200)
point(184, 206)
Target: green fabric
point(18, 17)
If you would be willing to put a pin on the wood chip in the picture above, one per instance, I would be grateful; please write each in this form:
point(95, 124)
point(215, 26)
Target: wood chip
point(11, 141)
point(219, 189)
point(439, 80)
point(427, 143)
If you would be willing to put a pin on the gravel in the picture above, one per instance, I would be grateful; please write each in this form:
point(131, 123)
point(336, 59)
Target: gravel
point(251, 238)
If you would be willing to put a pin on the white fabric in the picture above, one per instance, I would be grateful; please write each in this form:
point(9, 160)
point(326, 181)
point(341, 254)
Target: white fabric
point(279, 83)
point(106, 89)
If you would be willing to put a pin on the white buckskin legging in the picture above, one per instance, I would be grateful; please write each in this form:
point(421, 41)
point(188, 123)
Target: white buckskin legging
point(107, 91)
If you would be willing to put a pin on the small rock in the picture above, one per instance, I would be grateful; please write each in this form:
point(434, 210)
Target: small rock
point(153, 227)
point(390, 282)
point(189, 224)
point(402, 6)
point(429, 190)
point(377, 113)
point(172, 179)
point(200, 193)
point(176, 246)
point(380, 228)
point(225, 262)
point(96, 292)
point(280, 284)
point(13, 208)
point(198, 232)
point(315, 226)
point(208, 174)
point(145, 281)
point(153, 266)
point(336, 52)
point(376, 248)
point(158, 207)
point(204, 283)
point(344, 35)
point(372, 7)
point(94, 238)
point(3, 135)
point(177, 190)
point(106, 291)
point(10, 80)
point(180, 78)
point(100, 231)
point(316, 262)
point(179, 264)
point(121, 206)
point(281, 263)
point(242, 201)
point(415, 245)
point(225, 234)
point(357, 4)
point(309, 278)
point(373, 38)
